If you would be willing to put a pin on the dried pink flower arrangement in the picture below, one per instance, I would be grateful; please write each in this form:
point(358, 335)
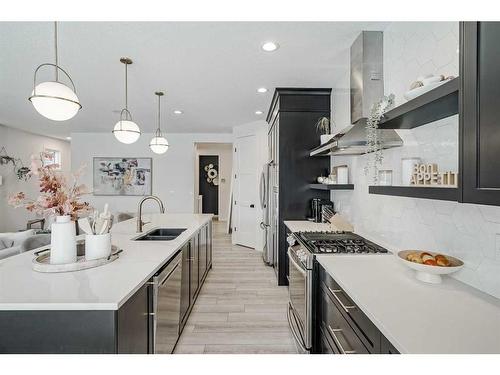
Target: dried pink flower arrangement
point(56, 197)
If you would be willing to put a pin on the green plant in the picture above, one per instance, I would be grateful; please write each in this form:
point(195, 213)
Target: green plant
point(373, 144)
point(323, 125)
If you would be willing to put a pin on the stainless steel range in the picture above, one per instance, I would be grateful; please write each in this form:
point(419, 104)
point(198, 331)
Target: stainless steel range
point(301, 252)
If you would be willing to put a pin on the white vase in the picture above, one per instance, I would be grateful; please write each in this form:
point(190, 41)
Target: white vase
point(325, 138)
point(63, 241)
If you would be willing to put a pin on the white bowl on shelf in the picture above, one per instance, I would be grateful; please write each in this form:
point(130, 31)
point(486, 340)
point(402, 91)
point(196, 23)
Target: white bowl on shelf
point(412, 94)
point(430, 274)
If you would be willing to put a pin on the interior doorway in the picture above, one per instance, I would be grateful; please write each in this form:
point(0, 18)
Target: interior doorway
point(208, 183)
point(212, 185)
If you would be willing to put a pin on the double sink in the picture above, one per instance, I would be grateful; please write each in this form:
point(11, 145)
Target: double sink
point(161, 234)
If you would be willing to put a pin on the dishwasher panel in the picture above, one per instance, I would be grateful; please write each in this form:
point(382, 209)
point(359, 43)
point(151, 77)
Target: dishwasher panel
point(166, 304)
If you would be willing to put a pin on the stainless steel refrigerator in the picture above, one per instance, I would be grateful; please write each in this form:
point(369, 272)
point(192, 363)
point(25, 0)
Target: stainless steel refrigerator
point(265, 224)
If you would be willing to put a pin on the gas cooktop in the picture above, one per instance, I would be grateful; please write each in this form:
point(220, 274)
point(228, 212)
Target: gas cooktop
point(338, 243)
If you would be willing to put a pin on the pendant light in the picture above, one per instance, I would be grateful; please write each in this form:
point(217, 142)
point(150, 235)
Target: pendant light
point(158, 144)
point(125, 130)
point(53, 99)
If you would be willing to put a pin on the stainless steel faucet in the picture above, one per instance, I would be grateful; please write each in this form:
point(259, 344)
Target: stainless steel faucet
point(140, 223)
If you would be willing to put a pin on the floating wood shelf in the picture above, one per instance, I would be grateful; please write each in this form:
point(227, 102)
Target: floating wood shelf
point(431, 106)
point(439, 193)
point(332, 186)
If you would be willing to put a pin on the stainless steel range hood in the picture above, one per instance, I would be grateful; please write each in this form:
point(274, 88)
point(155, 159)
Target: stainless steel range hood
point(367, 87)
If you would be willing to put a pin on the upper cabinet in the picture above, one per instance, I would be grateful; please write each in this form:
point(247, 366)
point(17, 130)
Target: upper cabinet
point(480, 112)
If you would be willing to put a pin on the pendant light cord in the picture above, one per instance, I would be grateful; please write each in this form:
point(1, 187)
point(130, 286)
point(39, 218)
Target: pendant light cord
point(159, 130)
point(55, 50)
point(126, 87)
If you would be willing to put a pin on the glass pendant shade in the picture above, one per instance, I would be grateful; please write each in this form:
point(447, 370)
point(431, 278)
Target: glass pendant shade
point(126, 131)
point(55, 101)
point(159, 145)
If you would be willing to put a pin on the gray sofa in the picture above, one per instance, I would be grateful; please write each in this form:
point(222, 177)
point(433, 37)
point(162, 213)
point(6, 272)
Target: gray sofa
point(14, 243)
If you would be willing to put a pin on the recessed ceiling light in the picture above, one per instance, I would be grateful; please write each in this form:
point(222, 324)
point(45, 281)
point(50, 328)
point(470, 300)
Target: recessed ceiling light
point(178, 112)
point(258, 112)
point(261, 90)
point(270, 46)
point(68, 138)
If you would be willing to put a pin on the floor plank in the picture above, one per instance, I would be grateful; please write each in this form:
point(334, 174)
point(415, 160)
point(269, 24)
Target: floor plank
point(240, 309)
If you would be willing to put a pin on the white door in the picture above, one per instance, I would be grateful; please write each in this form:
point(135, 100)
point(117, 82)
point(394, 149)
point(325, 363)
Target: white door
point(246, 191)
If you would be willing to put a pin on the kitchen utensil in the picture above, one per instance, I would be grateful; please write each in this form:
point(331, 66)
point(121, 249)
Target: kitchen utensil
point(85, 225)
point(430, 274)
point(104, 227)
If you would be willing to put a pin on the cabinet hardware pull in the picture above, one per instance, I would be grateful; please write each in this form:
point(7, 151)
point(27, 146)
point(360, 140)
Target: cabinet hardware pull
point(346, 308)
point(337, 341)
point(153, 314)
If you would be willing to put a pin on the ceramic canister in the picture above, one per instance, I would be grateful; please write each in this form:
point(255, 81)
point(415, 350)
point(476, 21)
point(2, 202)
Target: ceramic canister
point(97, 246)
point(63, 241)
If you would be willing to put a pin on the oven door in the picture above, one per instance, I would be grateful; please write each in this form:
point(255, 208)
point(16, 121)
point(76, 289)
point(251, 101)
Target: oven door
point(299, 310)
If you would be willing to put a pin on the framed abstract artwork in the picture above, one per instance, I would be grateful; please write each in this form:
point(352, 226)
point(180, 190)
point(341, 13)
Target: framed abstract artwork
point(122, 176)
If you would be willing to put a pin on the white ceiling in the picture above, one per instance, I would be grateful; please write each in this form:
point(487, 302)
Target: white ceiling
point(210, 70)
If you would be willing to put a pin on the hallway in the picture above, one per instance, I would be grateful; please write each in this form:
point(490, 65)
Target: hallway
point(240, 309)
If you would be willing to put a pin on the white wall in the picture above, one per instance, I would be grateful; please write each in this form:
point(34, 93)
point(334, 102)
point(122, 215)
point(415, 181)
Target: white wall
point(22, 145)
point(225, 153)
point(259, 129)
point(465, 230)
point(173, 177)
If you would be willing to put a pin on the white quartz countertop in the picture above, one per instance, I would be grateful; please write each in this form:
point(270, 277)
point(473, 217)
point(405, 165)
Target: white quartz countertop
point(102, 288)
point(306, 226)
point(417, 317)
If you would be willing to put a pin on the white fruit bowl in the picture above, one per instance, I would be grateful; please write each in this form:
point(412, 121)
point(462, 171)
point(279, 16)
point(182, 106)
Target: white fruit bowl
point(430, 274)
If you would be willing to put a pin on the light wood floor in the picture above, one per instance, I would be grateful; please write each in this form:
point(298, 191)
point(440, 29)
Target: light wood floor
point(240, 308)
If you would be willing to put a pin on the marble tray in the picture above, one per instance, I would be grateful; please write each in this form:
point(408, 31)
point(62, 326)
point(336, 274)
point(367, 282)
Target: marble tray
point(41, 262)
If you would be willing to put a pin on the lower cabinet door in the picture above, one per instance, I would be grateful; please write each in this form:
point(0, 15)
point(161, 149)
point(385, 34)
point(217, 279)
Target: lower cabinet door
point(194, 275)
point(133, 324)
point(325, 347)
point(203, 252)
point(185, 284)
point(338, 328)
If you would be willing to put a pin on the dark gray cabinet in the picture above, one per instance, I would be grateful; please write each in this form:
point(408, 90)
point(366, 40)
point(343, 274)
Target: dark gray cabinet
point(195, 266)
point(480, 112)
point(203, 253)
point(196, 261)
point(185, 284)
point(340, 325)
point(133, 322)
point(292, 117)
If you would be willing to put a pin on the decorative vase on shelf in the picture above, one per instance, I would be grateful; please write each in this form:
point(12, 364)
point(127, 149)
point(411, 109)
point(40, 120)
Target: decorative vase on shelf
point(325, 138)
point(63, 241)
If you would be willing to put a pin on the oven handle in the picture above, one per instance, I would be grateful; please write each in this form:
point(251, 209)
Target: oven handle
point(295, 335)
point(295, 264)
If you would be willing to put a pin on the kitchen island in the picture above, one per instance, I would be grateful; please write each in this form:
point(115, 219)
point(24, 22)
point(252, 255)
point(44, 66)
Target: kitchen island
point(107, 309)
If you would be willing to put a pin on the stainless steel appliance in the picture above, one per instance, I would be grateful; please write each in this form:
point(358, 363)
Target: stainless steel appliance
point(270, 199)
point(301, 252)
point(265, 224)
point(367, 88)
point(166, 306)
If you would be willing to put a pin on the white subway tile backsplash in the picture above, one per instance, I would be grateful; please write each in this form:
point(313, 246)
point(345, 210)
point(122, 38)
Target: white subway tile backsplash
point(470, 232)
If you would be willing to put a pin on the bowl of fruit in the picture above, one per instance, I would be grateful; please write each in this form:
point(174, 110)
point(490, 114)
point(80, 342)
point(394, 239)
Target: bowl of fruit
point(428, 265)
